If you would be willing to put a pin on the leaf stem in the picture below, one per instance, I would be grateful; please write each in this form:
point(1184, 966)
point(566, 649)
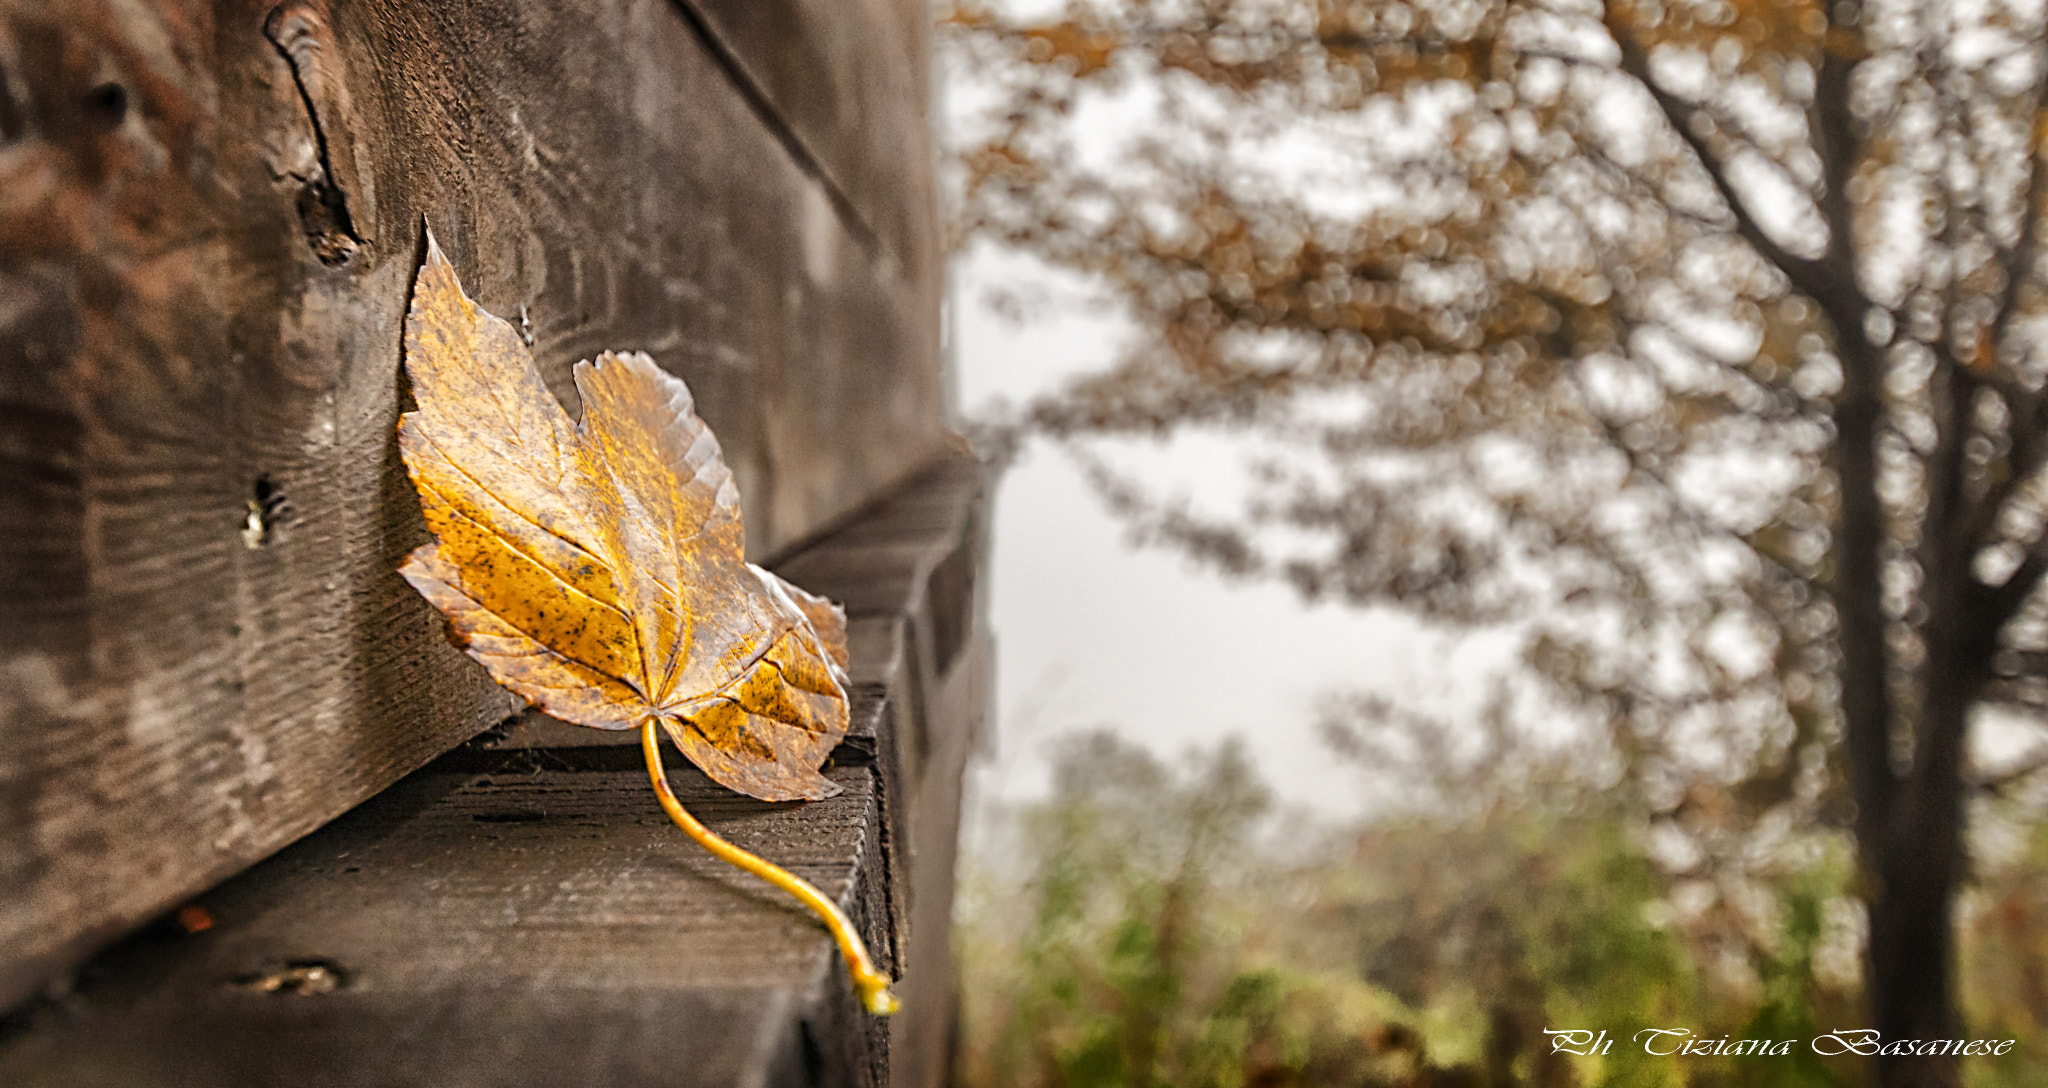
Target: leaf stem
point(872, 984)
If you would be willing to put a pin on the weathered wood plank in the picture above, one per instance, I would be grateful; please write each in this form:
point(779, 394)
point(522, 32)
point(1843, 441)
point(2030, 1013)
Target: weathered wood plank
point(849, 79)
point(209, 217)
point(521, 913)
point(523, 927)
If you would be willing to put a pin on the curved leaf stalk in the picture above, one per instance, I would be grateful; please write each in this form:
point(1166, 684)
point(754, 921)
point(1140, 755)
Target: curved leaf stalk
point(872, 984)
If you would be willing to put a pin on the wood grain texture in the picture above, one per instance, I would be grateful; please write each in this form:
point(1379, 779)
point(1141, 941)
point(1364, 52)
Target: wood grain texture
point(520, 913)
point(209, 213)
point(850, 80)
point(523, 927)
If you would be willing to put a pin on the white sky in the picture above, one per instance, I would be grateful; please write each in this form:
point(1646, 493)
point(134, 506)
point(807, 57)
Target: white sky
point(1092, 633)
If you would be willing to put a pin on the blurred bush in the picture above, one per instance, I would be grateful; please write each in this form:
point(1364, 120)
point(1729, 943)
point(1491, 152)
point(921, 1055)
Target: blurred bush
point(1153, 925)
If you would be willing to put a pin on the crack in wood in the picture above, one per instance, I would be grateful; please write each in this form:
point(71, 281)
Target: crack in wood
point(295, 32)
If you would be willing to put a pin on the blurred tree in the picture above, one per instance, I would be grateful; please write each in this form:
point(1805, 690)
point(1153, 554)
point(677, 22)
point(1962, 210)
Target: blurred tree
point(1703, 337)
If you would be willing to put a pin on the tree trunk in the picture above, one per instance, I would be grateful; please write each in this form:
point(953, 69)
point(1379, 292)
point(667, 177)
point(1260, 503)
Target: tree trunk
point(1912, 950)
point(1909, 865)
point(1917, 866)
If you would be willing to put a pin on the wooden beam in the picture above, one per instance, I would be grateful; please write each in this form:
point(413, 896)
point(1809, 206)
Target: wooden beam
point(521, 913)
point(209, 217)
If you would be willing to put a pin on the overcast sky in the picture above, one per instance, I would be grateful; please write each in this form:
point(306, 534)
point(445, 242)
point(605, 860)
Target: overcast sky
point(1091, 632)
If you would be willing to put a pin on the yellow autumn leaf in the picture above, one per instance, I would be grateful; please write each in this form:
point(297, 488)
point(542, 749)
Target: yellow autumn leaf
point(598, 569)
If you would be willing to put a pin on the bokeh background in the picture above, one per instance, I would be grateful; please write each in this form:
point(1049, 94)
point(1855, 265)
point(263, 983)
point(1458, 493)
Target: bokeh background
point(1418, 559)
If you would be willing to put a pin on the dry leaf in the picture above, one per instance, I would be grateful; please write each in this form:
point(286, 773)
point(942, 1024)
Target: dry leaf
point(598, 568)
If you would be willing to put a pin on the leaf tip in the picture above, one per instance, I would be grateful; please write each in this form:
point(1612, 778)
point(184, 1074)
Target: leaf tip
point(436, 260)
point(438, 303)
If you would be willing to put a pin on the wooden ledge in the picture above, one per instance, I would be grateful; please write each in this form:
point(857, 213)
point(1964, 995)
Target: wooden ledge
point(521, 913)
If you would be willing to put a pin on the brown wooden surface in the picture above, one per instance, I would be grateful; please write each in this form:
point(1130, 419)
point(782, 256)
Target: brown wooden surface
point(525, 926)
point(209, 215)
point(521, 912)
point(838, 74)
point(907, 569)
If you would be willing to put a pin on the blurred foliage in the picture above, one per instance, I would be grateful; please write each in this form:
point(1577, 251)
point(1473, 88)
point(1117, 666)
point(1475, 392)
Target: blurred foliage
point(1149, 926)
point(1700, 342)
point(1553, 310)
point(2005, 959)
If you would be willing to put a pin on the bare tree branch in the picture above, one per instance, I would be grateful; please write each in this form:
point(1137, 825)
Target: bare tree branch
point(1944, 553)
point(1833, 128)
point(1810, 277)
